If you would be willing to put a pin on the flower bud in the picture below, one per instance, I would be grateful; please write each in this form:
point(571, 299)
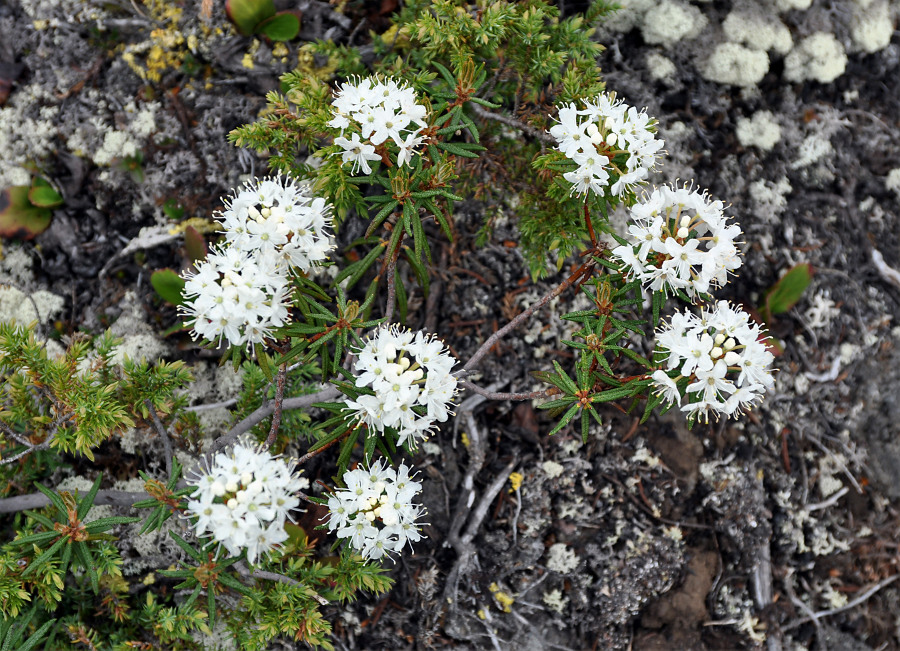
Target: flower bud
point(732, 358)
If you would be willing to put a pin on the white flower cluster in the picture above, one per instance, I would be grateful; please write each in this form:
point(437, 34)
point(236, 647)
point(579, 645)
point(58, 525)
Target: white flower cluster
point(241, 291)
point(680, 241)
point(376, 111)
point(375, 511)
point(595, 137)
point(723, 356)
point(242, 501)
point(410, 375)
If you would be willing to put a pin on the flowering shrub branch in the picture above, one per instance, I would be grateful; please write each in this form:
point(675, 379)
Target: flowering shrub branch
point(396, 151)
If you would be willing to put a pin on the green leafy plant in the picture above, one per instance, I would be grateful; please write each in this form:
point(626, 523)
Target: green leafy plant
point(25, 211)
point(260, 17)
point(785, 293)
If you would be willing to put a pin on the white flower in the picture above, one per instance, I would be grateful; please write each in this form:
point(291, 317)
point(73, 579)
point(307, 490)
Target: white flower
point(377, 112)
point(410, 376)
point(723, 355)
point(680, 241)
point(235, 296)
point(360, 153)
point(277, 214)
point(592, 137)
point(375, 511)
point(243, 500)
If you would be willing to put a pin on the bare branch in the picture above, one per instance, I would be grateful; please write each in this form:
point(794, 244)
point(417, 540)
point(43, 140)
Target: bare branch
point(482, 112)
point(495, 395)
point(39, 500)
point(814, 617)
point(279, 578)
point(163, 434)
point(523, 316)
point(279, 404)
point(266, 410)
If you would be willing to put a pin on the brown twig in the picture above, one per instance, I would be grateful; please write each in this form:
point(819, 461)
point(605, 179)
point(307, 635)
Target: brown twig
point(163, 434)
point(579, 273)
point(496, 395)
point(314, 453)
point(482, 112)
point(279, 404)
point(392, 289)
point(589, 225)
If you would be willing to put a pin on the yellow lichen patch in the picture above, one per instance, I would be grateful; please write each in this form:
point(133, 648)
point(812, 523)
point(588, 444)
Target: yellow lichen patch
point(202, 224)
point(465, 439)
point(503, 599)
point(306, 63)
point(279, 50)
point(515, 479)
point(166, 48)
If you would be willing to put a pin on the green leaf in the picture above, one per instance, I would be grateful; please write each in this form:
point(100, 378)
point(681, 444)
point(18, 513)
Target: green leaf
point(190, 551)
point(53, 496)
point(45, 556)
point(458, 149)
point(43, 195)
point(19, 218)
point(85, 505)
point(247, 14)
point(234, 584)
point(484, 102)
point(446, 74)
point(566, 383)
point(84, 555)
point(35, 538)
point(347, 449)
point(104, 524)
point(281, 27)
point(658, 299)
point(784, 294)
point(566, 419)
point(263, 360)
point(169, 285)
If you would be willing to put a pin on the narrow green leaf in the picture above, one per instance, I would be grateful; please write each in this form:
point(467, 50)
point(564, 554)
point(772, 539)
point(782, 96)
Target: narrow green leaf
point(53, 497)
point(36, 538)
point(85, 505)
point(566, 419)
point(190, 551)
point(790, 287)
point(104, 524)
point(43, 557)
point(263, 360)
point(448, 77)
point(84, 555)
